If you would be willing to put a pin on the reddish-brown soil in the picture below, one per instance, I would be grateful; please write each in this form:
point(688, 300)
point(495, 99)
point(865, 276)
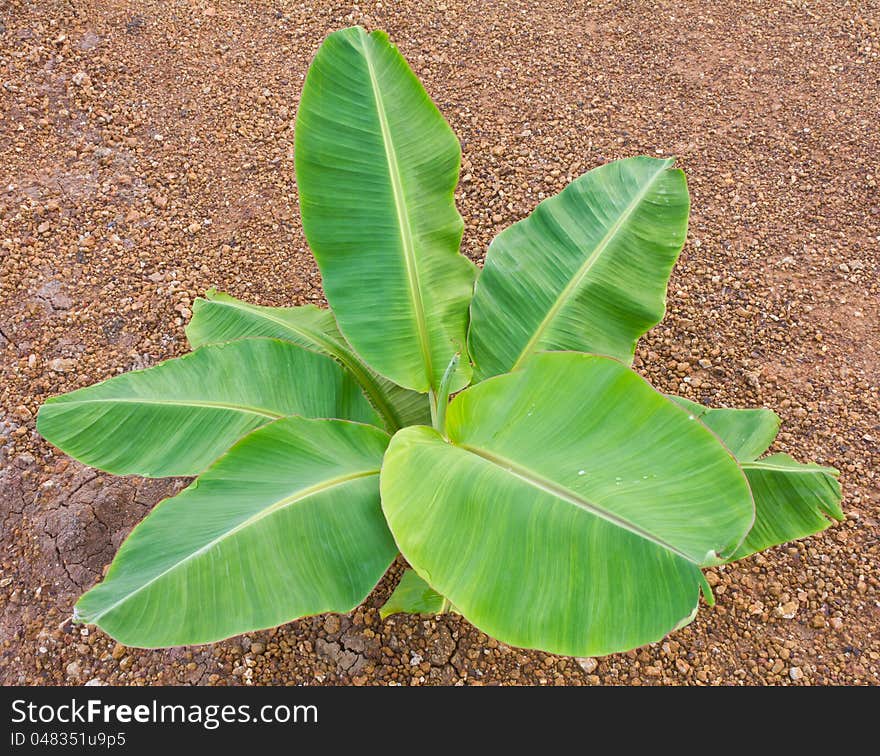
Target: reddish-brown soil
point(146, 154)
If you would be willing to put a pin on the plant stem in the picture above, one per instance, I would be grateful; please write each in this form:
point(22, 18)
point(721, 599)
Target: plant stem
point(439, 402)
point(432, 400)
point(438, 406)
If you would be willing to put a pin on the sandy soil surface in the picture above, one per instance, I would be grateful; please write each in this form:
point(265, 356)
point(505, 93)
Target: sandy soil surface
point(146, 153)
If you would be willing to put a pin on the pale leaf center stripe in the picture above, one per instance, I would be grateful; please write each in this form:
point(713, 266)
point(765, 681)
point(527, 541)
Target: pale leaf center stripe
point(294, 498)
point(554, 489)
point(759, 465)
point(409, 255)
point(176, 403)
point(572, 286)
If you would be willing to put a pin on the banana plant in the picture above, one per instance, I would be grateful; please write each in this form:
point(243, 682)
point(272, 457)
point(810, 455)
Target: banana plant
point(488, 428)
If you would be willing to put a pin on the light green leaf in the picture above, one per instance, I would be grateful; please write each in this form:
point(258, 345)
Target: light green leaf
point(569, 509)
point(586, 271)
point(792, 500)
point(376, 167)
point(286, 524)
point(413, 596)
point(221, 317)
point(748, 433)
point(179, 416)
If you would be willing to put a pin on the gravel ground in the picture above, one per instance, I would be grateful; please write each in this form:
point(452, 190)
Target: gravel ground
point(147, 154)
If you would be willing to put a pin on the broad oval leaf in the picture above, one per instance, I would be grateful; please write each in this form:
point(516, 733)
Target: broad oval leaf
point(376, 168)
point(413, 596)
point(586, 271)
point(179, 416)
point(569, 509)
point(220, 317)
point(286, 524)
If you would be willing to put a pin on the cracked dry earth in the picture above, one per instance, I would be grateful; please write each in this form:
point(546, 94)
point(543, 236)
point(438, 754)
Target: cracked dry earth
point(147, 155)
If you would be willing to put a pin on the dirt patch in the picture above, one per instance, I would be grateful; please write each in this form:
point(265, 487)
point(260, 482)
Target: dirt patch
point(148, 154)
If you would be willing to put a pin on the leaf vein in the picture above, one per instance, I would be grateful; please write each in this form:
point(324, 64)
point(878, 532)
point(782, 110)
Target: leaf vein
point(536, 481)
point(585, 268)
point(406, 238)
point(294, 498)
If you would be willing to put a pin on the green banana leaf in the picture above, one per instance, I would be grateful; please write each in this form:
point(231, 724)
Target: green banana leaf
point(574, 505)
point(748, 433)
point(586, 271)
point(286, 524)
point(376, 168)
point(792, 500)
point(179, 416)
point(220, 317)
point(413, 596)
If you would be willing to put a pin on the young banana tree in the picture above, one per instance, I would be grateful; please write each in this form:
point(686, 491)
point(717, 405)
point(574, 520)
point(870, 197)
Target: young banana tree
point(558, 501)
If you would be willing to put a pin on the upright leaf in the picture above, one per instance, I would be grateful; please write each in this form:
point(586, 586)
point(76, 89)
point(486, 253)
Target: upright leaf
point(570, 507)
point(376, 167)
point(792, 500)
point(179, 416)
point(586, 271)
point(221, 317)
point(286, 524)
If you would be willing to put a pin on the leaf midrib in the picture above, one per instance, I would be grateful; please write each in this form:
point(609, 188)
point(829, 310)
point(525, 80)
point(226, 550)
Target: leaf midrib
point(332, 347)
point(294, 498)
point(547, 486)
point(805, 470)
point(406, 238)
point(172, 403)
point(587, 265)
